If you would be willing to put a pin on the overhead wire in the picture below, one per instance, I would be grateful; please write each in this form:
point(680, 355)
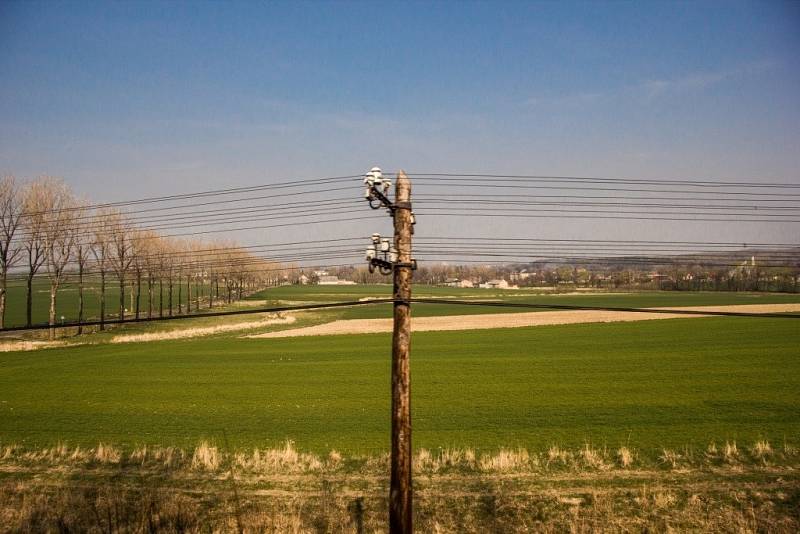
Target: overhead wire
point(378, 301)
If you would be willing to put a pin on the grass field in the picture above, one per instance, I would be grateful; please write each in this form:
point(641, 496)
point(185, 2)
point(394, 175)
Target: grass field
point(67, 300)
point(669, 425)
point(658, 384)
point(321, 294)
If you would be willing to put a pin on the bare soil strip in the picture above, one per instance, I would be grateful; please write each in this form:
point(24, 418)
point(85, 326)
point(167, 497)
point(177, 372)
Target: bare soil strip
point(185, 333)
point(11, 346)
point(513, 320)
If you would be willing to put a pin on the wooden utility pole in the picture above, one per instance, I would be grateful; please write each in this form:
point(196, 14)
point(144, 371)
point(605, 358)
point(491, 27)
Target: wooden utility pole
point(400, 493)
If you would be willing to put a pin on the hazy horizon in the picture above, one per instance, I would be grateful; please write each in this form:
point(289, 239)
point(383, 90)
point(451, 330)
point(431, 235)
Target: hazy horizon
point(126, 101)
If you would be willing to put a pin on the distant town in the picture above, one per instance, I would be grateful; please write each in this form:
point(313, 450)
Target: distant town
point(731, 272)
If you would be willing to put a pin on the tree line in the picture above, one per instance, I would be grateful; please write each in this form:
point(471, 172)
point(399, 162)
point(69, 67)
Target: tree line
point(681, 275)
point(46, 230)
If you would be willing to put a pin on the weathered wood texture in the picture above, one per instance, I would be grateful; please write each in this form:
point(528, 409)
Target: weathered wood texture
point(400, 506)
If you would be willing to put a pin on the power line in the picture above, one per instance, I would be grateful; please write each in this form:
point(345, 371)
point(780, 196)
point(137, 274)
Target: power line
point(544, 178)
point(571, 216)
point(213, 192)
point(329, 305)
point(731, 243)
point(517, 202)
point(604, 308)
point(616, 189)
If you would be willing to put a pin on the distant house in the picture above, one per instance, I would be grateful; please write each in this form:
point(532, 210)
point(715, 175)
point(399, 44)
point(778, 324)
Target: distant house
point(520, 276)
point(331, 280)
point(303, 279)
point(495, 284)
point(457, 282)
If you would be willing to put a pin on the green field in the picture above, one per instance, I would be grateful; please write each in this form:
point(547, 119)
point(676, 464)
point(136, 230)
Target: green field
point(649, 384)
point(322, 294)
point(67, 300)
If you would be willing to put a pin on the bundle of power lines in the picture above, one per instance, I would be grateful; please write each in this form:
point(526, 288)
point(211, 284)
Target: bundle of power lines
point(172, 242)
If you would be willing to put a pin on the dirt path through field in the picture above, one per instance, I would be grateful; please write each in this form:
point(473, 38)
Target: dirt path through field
point(514, 320)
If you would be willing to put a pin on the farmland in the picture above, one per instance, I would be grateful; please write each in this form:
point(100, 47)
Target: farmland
point(647, 423)
point(67, 301)
point(672, 383)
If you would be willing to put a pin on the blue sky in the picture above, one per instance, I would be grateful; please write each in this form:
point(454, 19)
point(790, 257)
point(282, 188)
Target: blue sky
point(133, 99)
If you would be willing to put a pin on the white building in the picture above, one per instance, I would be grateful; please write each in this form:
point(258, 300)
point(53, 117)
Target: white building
point(331, 280)
point(522, 275)
point(457, 282)
point(495, 284)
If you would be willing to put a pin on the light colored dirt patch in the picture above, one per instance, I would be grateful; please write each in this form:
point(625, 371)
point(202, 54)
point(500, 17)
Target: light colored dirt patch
point(248, 303)
point(513, 320)
point(201, 331)
point(13, 346)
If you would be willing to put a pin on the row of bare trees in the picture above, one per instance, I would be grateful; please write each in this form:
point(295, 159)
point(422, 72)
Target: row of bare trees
point(45, 230)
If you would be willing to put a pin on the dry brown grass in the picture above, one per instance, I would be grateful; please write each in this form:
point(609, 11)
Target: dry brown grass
point(730, 452)
point(761, 450)
point(593, 458)
point(286, 459)
point(507, 461)
point(556, 455)
point(206, 457)
point(162, 489)
point(106, 454)
point(625, 457)
point(670, 458)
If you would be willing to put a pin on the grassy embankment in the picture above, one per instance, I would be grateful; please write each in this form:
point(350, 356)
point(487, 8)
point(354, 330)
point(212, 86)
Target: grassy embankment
point(722, 488)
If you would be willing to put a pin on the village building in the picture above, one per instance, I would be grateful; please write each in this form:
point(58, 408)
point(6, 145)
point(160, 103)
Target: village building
point(495, 284)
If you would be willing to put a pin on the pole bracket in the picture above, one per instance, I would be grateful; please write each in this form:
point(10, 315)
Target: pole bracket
point(375, 194)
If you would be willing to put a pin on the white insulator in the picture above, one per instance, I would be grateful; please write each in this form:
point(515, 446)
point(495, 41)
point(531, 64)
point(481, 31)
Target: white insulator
point(373, 177)
point(385, 245)
point(376, 238)
point(370, 253)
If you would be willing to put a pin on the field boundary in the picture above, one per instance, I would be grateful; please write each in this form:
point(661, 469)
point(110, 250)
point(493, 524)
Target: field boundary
point(520, 320)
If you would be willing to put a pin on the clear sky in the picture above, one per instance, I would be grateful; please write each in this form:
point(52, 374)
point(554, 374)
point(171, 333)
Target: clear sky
point(125, 100)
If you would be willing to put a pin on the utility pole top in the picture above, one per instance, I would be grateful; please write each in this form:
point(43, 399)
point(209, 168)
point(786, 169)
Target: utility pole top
point(403, 183)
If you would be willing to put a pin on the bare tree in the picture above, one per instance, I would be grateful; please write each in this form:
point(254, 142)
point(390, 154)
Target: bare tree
point(154, 269)
point(104, 222)
point(121, 234)
point(179, 253)
point(170, 250)
point(10, 215)
point(83, 249)
point(58, 237)
point(35, 208)
point(142, 249)
point(161, 265)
